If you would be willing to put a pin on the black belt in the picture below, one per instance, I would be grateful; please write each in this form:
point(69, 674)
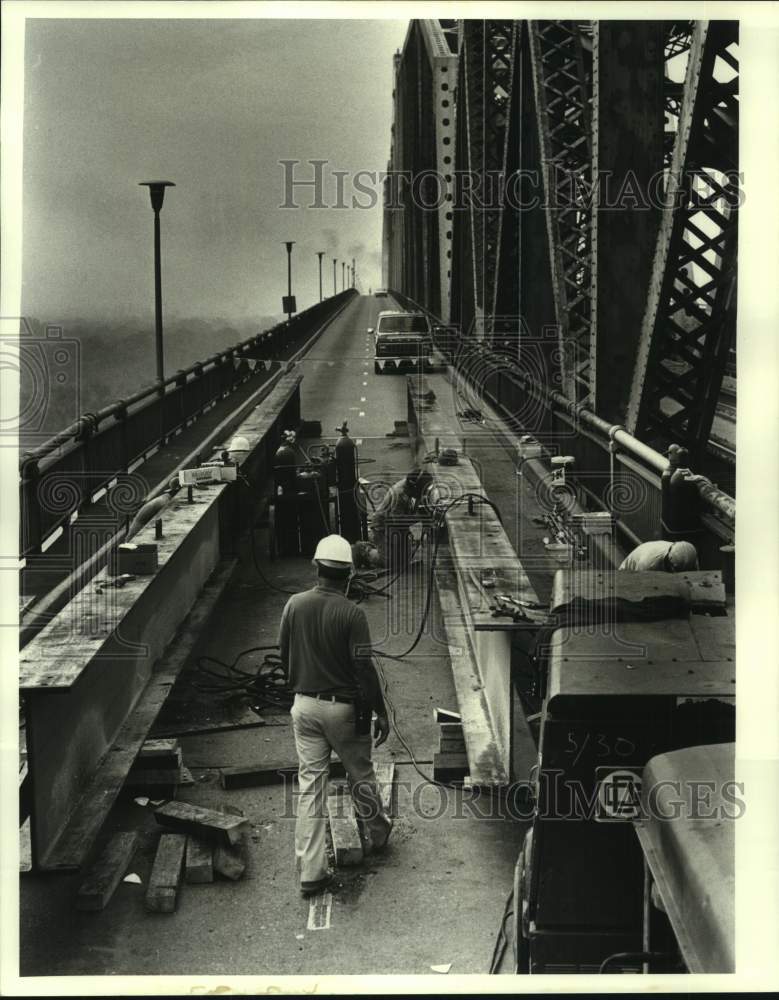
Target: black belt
point(327, 697)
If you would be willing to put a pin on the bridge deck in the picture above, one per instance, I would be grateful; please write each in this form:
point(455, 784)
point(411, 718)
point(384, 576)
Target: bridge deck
point(435, 897)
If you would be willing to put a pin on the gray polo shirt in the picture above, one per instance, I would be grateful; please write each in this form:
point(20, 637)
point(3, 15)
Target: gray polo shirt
point(325, 643)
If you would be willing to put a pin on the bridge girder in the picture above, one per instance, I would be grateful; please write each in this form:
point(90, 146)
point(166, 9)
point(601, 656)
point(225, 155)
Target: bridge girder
point(642, 298)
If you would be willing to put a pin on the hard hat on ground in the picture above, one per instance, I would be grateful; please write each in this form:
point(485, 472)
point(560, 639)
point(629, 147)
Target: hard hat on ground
point(334, 551)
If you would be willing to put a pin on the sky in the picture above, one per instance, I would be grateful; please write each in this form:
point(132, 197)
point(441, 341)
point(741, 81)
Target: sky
point(212, 105)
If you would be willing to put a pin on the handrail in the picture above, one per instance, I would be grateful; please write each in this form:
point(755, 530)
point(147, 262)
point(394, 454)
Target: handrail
point(720, 503)
point(97, 447)
point(76, 430)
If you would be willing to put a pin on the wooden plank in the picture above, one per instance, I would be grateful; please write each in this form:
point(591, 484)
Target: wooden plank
point(453, 729)
point(210, 824)
point(345, 834)
point(229, 862)
point(257, 775)
point(450, 767)
point(166, 874)
point(101, 792)
point(158, 755)
point(104, 876)
point(264, 773)
point(385, 779)
point(199, 861)
point(158, 784)
point(196, 729)
point(445, 717)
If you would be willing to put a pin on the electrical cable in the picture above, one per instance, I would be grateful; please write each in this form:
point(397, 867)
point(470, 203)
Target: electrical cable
point(401, 738)
point(439, 515)
point(267, 685)
point(501, 941)
point(263, 577)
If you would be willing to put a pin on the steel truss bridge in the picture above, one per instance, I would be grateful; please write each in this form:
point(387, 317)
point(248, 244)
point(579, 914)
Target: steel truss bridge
point(572, 188)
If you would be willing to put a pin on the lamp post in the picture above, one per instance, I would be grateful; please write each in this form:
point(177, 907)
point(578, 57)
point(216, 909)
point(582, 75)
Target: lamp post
point(352, 272)
point(288, 303)
point(343, 275)
point(157, 194)
point(320, 254)
point(335, 287)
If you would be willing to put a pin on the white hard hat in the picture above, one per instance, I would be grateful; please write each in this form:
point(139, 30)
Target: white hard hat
point(333, 550)
point(239, 443)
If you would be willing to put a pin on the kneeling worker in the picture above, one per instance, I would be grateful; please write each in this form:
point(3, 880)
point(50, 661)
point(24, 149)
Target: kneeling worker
point(668, 557)
point(403, 506)
point(326, 653)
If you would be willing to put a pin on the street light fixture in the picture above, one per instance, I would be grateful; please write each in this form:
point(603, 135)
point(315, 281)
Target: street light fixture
point(288, 304)
point(320, 254)
point(157, 195)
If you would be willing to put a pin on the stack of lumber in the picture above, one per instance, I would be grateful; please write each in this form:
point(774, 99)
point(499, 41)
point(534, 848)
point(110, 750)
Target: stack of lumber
point(195, 845)
point(158, 770)
point(450, 764)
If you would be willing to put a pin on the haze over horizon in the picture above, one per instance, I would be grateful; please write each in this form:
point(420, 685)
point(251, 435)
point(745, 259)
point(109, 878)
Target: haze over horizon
point(212, 105)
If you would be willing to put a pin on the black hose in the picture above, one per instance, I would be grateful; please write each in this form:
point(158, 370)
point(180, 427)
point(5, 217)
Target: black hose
point(501, 942)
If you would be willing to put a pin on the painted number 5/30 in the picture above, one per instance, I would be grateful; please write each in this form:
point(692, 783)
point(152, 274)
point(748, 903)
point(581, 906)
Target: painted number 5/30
point(621, 747)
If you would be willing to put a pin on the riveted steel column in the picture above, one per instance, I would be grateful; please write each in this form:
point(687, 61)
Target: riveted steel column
point(627, 117)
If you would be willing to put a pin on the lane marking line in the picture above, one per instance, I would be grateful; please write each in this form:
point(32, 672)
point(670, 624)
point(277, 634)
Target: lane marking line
point(319, 912)
point(362, 399)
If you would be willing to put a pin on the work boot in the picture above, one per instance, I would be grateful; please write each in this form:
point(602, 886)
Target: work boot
point(312, 888)
point(371, 843)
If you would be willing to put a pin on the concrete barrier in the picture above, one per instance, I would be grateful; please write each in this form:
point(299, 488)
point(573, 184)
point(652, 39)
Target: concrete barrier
point(87, 675)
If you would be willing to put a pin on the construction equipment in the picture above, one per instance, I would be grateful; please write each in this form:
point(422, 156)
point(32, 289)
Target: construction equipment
point(689, 857)
point(615, 696)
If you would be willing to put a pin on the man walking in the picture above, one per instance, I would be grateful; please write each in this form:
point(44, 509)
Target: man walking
point(326, 652)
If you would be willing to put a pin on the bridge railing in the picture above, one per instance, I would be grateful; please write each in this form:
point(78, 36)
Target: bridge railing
point(608, 460)
point(64, 474)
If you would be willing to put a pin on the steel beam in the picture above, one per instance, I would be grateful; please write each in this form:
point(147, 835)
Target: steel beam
point(443, 66)
point(484, 100)
point(689, 321)
point(627, 126)
point(418, 211)
point(562, 83)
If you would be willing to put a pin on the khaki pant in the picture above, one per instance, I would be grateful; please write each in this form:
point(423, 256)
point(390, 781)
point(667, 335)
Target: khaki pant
point(319, 727)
